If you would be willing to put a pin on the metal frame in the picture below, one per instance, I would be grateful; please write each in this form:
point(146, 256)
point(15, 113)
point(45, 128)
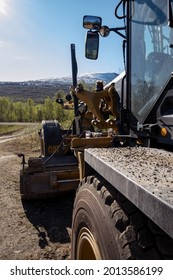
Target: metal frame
point(158, 210)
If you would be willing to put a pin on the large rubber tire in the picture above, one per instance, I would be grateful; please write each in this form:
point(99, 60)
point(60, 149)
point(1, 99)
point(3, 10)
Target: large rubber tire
point(107, 226)
point(92, 231)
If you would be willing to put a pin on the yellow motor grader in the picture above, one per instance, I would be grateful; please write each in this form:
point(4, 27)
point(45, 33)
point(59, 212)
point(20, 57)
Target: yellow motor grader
point(61, 166)
point(118, 150)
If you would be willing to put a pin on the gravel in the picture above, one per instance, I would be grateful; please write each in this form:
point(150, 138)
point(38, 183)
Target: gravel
point(151, 168)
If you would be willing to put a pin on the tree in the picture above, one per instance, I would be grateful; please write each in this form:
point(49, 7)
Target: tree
point(60, 93)
point(19, 112)
point(30, 110)
point(4, 103)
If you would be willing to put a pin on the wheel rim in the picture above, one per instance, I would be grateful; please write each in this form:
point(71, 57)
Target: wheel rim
point(87, 248)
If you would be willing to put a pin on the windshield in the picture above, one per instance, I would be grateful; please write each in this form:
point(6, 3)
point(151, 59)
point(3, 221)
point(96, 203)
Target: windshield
point(151, 54)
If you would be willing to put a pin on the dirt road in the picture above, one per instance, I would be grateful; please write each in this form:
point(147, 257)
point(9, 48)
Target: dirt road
point(30, 230)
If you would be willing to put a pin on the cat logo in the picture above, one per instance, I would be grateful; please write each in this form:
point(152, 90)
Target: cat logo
point(52, 149)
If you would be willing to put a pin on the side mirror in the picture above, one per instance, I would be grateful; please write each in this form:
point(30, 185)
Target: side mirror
point(170, 13)
point(92, 22)
point(92, 45)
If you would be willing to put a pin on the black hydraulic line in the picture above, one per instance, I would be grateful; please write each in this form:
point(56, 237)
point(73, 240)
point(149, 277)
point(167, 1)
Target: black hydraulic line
point(117, 7)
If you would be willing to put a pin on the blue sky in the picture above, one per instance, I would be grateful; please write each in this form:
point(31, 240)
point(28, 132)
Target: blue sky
point(35, 38)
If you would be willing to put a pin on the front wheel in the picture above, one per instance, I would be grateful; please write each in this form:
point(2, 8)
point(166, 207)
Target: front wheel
point(107, 226)
point(93, 231)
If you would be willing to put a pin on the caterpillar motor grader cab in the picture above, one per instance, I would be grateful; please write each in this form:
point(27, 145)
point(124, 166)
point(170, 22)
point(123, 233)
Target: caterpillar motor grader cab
point(119, 148)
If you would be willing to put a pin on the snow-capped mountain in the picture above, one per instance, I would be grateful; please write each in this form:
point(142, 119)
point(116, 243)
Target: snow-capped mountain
point(89, 78)
point(40, 89)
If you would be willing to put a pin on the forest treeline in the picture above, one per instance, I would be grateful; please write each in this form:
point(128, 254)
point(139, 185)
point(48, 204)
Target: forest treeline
point(32, 111)
point(28, 111)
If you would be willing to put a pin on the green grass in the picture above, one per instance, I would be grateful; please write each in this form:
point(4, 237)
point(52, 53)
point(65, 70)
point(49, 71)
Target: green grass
point(9, 129)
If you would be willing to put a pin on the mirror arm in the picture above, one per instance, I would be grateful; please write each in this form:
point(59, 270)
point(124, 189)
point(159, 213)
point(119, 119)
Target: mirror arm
point(117, 31)
point(170, 13)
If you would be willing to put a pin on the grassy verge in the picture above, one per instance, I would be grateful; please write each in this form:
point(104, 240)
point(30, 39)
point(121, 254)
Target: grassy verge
point(25, 138)
point(9, 129)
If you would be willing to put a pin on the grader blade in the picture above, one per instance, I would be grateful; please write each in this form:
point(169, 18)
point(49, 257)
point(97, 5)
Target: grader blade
point(43, 179)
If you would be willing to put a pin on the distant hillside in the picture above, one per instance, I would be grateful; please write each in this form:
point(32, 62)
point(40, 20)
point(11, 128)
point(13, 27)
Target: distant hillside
point(90, 78)
point(38, 90)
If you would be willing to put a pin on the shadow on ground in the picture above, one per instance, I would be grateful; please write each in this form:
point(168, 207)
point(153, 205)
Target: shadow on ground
point(51, 218)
